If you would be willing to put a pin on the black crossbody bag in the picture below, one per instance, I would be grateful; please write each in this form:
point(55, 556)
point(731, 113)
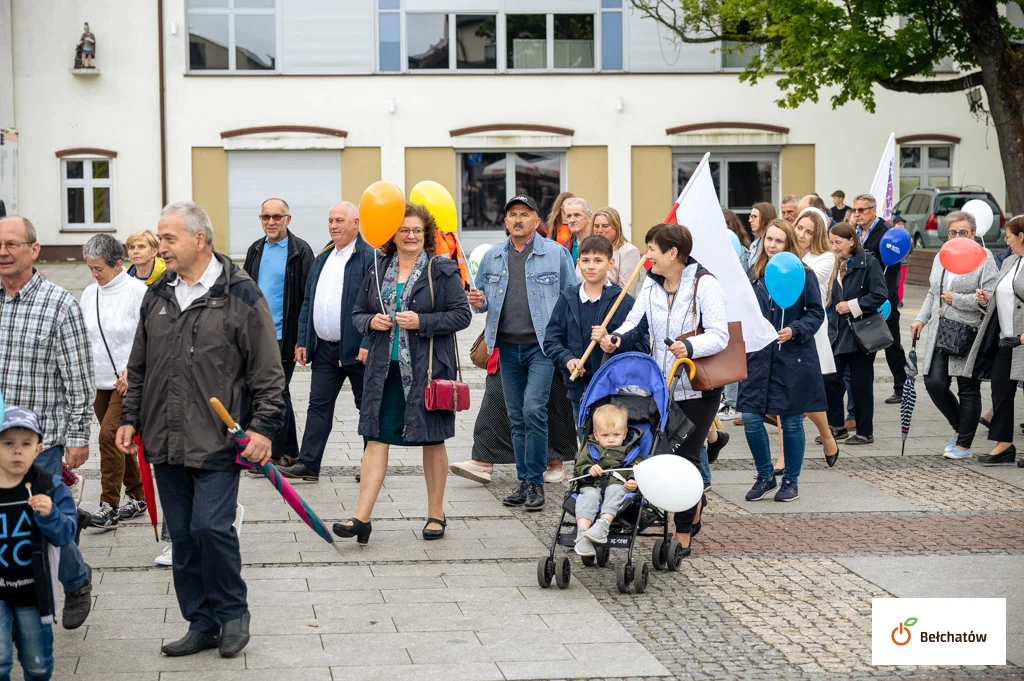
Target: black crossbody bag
point(110, 356)
point(953, 337)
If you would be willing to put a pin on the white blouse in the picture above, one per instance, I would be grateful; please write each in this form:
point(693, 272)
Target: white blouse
point(119, 303)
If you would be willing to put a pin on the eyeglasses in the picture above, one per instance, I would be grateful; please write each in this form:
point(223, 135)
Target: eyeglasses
point(863, 210)
point(12, 246)
point(959, 232)
point(407, 232)
point(275, 217)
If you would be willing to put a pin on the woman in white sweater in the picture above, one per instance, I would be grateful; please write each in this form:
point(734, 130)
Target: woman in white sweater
point(667, 300)
point(111, 310)
point(608, 224)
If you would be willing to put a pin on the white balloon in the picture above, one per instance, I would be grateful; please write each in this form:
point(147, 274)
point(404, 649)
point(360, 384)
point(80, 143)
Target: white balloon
point(476, 256)
point(669, 482)
point(982, 213)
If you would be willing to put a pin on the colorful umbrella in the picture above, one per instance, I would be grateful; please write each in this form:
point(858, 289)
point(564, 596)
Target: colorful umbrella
point(909, 398)
point(147, 486)
point(284, 487)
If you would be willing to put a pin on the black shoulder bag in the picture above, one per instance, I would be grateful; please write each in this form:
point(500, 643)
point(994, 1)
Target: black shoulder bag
point(110, 356)
point(952, 337)
point(870, 331)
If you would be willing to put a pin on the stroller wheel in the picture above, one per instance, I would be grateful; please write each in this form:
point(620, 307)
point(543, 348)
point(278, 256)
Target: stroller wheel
point(563, 572)
point(658, 555)
point(602, 555)
point(642, 574)
point(589, 560)
point(624, 578)
point(545, 571)
point(675, 556)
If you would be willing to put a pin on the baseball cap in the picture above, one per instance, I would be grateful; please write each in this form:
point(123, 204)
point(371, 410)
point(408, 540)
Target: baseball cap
point(18, 417)
point(524, 199)
point(897, 218)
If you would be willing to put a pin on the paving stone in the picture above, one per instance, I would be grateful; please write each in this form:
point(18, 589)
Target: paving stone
point(482, 671)
point(307, 674)
point(488, 653)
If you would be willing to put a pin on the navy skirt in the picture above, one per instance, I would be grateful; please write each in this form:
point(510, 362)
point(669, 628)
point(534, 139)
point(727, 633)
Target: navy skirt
point(391, 420)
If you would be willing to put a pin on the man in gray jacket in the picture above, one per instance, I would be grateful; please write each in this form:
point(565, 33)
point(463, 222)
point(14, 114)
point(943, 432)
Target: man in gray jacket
point(205, 331)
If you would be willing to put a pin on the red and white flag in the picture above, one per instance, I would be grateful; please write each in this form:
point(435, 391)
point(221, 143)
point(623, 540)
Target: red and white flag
point(698, 209)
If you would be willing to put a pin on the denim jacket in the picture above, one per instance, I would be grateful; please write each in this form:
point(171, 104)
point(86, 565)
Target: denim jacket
point(549, 271)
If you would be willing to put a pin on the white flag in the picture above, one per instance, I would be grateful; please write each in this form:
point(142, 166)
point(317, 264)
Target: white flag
point(698, 209)
point(882, 186)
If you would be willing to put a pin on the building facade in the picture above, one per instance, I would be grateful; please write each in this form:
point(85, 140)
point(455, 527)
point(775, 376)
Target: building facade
point(229, 102)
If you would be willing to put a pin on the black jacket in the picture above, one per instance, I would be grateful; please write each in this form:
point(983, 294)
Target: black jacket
point(892, 274)
point(356, 270)
point(864, 283)
point(450, 314)
point(300, 259)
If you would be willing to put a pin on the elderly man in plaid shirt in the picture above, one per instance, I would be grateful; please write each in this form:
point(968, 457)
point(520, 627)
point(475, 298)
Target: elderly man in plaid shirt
point(46, 366)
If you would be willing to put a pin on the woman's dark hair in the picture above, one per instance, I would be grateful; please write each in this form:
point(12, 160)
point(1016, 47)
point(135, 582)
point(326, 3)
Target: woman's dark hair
point(651, 233)
point(674, 236)
point(555, 216)
point(1015, 225)
point(732, 221)
point(429, 230)
point(847, 231)
point(596, 244)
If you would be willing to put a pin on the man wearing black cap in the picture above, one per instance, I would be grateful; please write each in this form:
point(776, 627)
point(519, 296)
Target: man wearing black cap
point(517, 285)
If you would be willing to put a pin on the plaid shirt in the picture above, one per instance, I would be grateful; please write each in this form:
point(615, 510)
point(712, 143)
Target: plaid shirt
point(46, 360)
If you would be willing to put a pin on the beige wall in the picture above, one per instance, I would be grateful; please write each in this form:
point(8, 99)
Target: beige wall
point(431, 163)
point(210, 190)
point(652, 189)
point(797, 169)
point(360, 167)
point(587, 174)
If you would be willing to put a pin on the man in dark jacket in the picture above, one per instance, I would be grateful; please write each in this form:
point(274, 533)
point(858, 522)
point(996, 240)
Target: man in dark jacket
point(279, 264)
point(871, 229)
point(326, 335)
point(205, 331)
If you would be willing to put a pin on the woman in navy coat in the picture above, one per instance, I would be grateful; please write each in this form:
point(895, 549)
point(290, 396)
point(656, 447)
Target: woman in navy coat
point(785, 377)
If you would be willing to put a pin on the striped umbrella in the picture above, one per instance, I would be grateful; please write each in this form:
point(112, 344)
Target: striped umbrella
point(283, 487)
point(909, 398)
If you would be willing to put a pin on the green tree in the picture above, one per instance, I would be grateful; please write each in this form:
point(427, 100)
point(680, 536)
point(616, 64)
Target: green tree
point(852, 46)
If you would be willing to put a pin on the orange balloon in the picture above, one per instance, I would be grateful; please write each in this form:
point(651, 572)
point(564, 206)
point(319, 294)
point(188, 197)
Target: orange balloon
point(381, 211)
point(962, 256)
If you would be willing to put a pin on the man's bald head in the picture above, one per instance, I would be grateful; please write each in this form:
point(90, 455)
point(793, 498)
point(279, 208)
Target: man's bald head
point(811, 201)
point(343, 223)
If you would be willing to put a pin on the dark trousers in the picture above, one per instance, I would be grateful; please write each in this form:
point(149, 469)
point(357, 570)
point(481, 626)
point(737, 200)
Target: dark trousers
point(1004, 389)
point(702, 412)
point(894, 355)
point(199, 507)
point(286, 442)
point(963, 416)
point(328, 378)
point(862, 378)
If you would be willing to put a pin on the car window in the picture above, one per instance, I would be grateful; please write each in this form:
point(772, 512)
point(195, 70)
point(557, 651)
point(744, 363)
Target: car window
point(956, 201)
point(918, 204)
point(903, 205)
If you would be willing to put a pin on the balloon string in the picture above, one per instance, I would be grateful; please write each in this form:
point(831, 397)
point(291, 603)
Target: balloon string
point(376, 277)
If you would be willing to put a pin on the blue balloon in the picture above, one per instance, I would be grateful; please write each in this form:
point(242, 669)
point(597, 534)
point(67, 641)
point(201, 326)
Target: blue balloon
point(886, 309)
point(784, 276)
point(895, 246)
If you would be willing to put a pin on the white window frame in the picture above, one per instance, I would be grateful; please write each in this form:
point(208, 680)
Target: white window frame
point(924, 172)
point(87, 183)
point(725, 157)
point(231, 12)
point(510, 177)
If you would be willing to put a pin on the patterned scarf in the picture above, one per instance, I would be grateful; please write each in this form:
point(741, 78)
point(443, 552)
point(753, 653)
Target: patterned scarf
point(388, 287)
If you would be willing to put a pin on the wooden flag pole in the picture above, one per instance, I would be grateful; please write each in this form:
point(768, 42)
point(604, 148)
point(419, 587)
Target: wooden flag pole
point(611, 313)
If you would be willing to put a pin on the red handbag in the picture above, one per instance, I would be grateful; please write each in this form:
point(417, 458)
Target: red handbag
point(443, 394)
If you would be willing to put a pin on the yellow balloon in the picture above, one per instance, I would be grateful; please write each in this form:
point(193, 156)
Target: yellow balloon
point(439, 202)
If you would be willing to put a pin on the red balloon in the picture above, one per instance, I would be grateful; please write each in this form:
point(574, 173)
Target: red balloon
point(962, 256)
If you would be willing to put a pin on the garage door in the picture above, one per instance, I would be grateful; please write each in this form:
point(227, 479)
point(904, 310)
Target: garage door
point(310, 181)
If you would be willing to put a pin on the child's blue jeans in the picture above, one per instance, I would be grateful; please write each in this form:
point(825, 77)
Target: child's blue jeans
point(34, 639)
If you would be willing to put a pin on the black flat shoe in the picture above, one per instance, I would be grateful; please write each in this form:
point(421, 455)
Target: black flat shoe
point(779, 471)
point(1005, 456)
point(837, 434)
point(895, 398)
point(985, 422)
point(234, 636)
point(354, 528)
point(715, 448)
point(193, 642)
point(860, 440)
point(434, 534)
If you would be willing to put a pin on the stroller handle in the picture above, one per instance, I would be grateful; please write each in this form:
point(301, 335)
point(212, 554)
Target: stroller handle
point(691, 370)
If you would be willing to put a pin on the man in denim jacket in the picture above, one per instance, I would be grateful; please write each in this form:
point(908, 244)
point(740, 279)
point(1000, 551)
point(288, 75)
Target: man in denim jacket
point(517, 285)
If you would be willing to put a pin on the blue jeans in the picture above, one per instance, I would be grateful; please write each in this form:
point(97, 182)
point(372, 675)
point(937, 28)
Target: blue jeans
point(34, 639)
point(705, 467)
point(792, 440)
point(72, 570)
point(731, 394)
point(526, 381)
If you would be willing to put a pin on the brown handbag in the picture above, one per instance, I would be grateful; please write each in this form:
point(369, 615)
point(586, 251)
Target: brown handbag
point(728, 366)
point(478, 352)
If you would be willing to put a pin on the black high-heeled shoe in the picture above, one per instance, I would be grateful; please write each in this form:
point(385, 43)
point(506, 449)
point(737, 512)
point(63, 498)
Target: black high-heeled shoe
point(356, 528)
point(434, 534)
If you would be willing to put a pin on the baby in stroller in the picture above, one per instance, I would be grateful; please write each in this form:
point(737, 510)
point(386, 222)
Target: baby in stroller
point(610, 443)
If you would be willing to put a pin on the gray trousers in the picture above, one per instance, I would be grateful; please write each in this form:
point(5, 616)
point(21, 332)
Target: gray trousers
point(589, 498)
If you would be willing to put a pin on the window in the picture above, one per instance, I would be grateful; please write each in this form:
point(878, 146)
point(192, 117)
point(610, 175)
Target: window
point(741, 179)
point(490, 178)
point(476, 45)
point(574, 41)
point(428, 41)
point(925, 165)
point(526, 38)
point(738, 55)
point(232, 35)
point(611, 35)
point(87, 187)
point(563, 41)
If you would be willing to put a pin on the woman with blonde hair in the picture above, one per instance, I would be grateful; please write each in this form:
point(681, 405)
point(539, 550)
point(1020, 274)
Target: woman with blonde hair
point(608, 224)
point(142, 248)
point(558, 229)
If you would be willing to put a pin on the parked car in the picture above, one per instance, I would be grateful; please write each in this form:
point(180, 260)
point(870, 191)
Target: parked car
point(924, 208)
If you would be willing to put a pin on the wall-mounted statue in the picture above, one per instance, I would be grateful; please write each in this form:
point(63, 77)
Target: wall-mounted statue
point(85, 51)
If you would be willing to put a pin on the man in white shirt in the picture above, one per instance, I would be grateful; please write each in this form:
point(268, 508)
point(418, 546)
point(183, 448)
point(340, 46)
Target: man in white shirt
point(327, 338)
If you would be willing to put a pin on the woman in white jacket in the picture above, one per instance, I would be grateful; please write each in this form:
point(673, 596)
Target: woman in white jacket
point(608, 224)
point(111, 310)
point(667, 301)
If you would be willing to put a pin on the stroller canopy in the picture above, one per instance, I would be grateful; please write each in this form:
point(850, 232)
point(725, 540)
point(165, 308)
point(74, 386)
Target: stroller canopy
point(629, 373)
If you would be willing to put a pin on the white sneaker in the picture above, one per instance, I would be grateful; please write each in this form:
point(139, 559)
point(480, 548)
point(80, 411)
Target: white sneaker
point(165, 557)
point(239, 515)
point(583, 546)
point(728, 414)
point(78, 489)
point(471, 471)
point(554, 474)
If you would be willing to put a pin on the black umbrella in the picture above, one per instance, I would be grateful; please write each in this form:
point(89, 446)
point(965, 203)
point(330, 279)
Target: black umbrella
point(909, 398)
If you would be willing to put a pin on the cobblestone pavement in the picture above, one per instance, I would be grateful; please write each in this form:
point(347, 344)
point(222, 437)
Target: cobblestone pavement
point(772, 591)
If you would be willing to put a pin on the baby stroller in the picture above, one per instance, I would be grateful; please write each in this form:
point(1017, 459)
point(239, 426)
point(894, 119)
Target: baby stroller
point(633, 381)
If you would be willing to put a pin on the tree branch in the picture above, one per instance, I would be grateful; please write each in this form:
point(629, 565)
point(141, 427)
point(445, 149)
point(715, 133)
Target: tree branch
point(924, 87)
